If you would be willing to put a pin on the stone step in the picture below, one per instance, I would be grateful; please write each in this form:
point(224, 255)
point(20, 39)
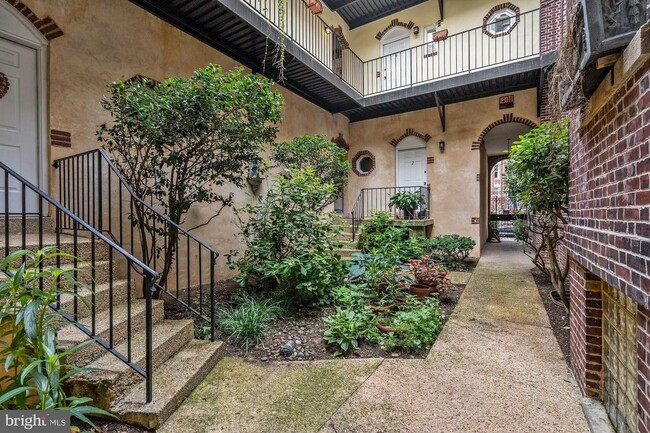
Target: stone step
point(31, 225)
point(66, 244)
point(84, 273)
point(347, 253)
point(102, 297)
point(70, 335)
point(172, 383)
point(108, 378)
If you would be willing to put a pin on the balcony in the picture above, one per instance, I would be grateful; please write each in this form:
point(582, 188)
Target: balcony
point(321, 66)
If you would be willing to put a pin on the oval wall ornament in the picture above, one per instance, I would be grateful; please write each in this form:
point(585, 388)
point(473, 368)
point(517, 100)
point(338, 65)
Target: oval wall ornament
point(4, 85)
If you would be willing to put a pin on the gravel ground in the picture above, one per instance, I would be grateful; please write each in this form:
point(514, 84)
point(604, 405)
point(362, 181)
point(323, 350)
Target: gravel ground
point(557, 315)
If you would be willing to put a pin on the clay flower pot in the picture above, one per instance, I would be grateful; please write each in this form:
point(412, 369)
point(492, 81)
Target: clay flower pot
point(315, 6)
point(375, 309)
point(386, 329)
point(440, 35)
point(420, 290)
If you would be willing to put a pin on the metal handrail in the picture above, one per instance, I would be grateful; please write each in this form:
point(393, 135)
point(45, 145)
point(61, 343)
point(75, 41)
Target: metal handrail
point(149, 275)
point(96, 170)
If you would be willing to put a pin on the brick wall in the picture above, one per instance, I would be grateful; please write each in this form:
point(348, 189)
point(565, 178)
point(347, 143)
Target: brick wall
point(552, 24)
point(586, 341)
point(609, 232)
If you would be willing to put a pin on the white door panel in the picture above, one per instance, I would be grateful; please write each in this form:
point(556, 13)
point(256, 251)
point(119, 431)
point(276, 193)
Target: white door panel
point(396, 64)
point(18, 122)
point(412, 167)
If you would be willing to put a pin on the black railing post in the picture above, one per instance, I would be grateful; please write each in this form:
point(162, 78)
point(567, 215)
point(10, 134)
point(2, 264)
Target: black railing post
point(148, 289)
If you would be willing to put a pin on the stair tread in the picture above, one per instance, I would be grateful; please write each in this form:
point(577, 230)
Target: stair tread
point(31, 240)
point(162, 332)
point(173, 381)
point(120, 311)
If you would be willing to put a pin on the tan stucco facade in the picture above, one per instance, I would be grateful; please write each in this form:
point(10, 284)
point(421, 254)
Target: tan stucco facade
point(456, 194)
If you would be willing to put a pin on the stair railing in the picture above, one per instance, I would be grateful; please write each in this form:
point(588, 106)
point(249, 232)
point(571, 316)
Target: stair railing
point(25, 209)
point(92, 187)
point(371, 200)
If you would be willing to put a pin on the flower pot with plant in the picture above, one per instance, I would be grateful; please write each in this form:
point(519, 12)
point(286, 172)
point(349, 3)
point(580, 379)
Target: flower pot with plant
point(407, 201)
point(430, 272)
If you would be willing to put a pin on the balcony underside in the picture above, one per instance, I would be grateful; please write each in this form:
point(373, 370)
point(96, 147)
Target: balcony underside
point(238, 31)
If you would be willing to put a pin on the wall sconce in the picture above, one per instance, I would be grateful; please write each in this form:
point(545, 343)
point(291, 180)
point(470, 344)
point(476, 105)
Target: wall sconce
point(441, 145)
point(328, 30)
point(416, 30)
point(254, 179)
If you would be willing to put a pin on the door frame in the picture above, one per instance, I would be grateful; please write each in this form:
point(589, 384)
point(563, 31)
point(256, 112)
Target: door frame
point(410, 143)
point(15, 27)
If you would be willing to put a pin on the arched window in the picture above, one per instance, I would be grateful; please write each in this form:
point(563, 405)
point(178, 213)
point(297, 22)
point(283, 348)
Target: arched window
point(501, 20)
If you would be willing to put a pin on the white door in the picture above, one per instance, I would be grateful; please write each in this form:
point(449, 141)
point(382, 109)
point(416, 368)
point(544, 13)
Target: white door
point(396, 64)
point(412, 167)
point(18, 123)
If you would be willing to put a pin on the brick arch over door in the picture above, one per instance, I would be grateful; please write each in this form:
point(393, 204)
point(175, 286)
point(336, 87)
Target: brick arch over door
point(507, 118)
point(46, 26)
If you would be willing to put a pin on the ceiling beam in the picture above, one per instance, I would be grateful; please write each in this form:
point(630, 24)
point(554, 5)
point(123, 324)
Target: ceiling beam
point(442, 7)
point(343, 3)
point(441, 112)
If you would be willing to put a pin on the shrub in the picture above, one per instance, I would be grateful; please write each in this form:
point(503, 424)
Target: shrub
point(290, 246)
point(380, 236)
point(417, 324)
point(328, 160)
point(248, 321)
point(452, 249)
point(33, 366)
point(347, 327)
point(520, 230)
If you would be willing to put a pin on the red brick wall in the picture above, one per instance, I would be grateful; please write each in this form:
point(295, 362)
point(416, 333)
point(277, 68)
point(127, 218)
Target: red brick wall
point(552, 24)
point(609, 232)
point(586, 339)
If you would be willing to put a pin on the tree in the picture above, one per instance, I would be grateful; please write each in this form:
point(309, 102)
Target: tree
point(537, 175)
point(327, 159)
point(180, 142)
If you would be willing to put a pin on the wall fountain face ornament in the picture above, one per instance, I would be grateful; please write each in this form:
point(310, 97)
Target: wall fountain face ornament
point(254, 179)
point(4, 85)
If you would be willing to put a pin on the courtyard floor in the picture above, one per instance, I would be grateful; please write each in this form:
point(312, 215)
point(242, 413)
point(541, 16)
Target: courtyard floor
point(496, 367)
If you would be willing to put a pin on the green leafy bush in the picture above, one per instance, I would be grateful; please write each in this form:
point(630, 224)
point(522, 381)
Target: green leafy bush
point(347, 327)
point(289, 244)
point(452, 249)
point(328, 160)
point(380, 236)
point(417, 323)
point(33, 366)
point(520, 230)
point(248, 321)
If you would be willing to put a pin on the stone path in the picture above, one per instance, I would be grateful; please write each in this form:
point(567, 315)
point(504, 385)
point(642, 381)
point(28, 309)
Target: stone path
point(496, 367)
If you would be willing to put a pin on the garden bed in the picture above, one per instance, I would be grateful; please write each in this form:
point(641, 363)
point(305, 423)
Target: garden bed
point(304, 328)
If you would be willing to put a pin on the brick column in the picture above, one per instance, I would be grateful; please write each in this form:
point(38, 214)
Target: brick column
point(586, 339)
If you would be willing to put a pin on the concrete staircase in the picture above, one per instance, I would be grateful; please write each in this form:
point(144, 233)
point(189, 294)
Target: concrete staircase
point(350, 247)
point(180, 362)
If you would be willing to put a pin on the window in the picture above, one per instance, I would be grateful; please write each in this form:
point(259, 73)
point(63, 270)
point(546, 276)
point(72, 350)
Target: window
point(501, 22)
point(363, 163)
point(431, 47)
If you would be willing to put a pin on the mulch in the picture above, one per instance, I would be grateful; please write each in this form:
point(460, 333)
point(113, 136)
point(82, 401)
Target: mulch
point(557, 314)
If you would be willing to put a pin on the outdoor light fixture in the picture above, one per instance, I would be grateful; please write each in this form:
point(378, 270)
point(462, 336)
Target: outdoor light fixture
point(328, 30)
point(441, 145)
point(416, 30)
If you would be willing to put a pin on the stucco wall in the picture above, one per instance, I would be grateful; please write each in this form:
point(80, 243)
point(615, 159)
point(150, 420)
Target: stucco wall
point(106, 40)
point(455, 191)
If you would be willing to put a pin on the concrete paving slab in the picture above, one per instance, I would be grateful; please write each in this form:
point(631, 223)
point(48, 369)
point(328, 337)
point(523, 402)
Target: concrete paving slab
point(460, 278)
point(238, 396)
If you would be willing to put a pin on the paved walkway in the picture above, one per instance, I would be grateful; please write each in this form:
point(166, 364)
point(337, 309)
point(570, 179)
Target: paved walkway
point(496, 367)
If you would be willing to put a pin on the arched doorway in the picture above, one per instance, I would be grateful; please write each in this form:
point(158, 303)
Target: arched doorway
point(23, 60)
point(396, 58)
point(496, 141)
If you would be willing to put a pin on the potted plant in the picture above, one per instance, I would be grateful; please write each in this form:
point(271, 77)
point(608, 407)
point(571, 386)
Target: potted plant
point(407, 201)
point(428, 273)
point(315, 6)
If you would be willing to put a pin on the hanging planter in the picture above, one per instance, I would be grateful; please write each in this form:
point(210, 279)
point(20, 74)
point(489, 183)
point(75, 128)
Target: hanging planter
point(315, 6)
point(4, 85)
point(440, 35)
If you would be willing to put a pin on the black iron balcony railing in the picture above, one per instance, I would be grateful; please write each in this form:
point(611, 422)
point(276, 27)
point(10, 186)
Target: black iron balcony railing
point(372, 200)
point(450, 55)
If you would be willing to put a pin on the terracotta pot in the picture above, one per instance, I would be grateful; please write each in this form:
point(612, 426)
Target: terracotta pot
point(376, 309)
point(315, 6)
point(440, 35)
point(386, 329)
point(420, 290)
